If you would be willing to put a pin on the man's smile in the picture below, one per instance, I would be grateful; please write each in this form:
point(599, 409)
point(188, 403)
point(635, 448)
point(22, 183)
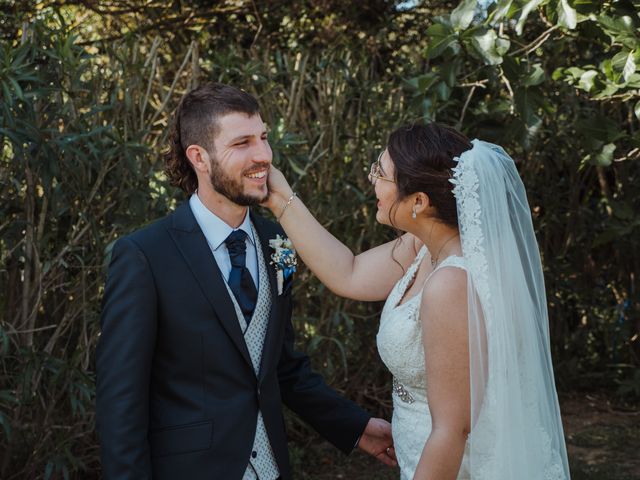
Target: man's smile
point(257, 174)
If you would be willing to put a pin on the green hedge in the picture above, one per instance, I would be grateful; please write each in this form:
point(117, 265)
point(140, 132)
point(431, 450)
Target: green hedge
point(86, 94)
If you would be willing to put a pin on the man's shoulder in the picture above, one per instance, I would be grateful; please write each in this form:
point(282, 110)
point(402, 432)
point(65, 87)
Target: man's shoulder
point(150, 234)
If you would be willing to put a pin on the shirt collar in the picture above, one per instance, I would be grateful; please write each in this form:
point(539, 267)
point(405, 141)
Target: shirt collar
point(214, 228)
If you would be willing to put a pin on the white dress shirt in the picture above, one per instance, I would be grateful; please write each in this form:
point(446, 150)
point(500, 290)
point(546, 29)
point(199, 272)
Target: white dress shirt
point(216, 232)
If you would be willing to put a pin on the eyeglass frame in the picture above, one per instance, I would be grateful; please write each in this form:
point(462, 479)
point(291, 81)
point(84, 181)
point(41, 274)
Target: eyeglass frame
point(376, 165)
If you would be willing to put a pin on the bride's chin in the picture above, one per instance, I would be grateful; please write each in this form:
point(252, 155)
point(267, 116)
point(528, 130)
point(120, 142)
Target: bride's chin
point(382, 219)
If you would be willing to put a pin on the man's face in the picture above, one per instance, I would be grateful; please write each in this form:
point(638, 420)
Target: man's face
point(241, 159)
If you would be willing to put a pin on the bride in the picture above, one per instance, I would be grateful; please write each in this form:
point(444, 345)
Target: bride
point(464, 329)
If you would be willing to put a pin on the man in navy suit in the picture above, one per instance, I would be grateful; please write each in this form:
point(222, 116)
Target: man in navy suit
point(196, 353)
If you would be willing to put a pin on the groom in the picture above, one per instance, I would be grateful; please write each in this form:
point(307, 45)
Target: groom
point(196, 352)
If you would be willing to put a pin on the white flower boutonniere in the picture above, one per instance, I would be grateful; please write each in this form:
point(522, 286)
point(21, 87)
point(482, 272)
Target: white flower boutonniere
point(284, 259)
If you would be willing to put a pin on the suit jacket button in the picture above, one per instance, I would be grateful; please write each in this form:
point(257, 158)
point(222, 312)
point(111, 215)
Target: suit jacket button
point(254, 454)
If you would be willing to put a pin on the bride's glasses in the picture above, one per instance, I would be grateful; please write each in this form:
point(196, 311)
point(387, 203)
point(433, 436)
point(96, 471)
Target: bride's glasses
point(375, 172)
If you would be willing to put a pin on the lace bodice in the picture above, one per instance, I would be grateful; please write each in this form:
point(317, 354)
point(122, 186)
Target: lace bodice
point(400, 346)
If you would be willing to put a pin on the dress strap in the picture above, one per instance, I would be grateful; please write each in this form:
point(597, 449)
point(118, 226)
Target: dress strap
point(420, 255)
point(411, 271)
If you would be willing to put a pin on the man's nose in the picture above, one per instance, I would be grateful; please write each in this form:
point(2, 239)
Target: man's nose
point(262, 153)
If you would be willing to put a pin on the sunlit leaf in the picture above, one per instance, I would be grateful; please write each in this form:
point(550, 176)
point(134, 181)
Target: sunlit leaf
point(629, 67)
point(462, 15)
point(605, 157)
point(485, 45)
point(567, 16)
point(587, 80)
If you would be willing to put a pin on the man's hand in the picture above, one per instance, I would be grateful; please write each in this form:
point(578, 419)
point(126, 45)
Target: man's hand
point(376, 441)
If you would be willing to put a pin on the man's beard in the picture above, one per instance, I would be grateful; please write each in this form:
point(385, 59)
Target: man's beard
point(232, 189)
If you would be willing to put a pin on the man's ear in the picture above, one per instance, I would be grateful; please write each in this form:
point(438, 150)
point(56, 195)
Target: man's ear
point(199, 158)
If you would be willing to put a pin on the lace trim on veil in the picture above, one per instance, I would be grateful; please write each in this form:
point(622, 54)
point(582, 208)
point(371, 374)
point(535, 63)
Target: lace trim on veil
point(465, 190)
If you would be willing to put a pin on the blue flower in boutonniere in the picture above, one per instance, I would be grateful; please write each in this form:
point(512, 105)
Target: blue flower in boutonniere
point(284, 259)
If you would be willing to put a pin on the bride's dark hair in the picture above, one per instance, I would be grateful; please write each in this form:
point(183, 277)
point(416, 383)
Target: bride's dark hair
point(423, 156)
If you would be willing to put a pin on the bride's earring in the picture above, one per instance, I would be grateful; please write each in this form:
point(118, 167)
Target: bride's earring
point(413, 214)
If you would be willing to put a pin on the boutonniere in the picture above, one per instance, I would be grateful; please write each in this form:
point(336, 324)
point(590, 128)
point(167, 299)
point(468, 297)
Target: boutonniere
point(284, 259)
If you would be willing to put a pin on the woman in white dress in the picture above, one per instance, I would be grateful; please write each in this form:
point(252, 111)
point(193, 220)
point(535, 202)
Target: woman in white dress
point(464, 329)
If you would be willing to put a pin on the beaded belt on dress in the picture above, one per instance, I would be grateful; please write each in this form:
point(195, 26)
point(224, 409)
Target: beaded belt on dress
point(402, 392)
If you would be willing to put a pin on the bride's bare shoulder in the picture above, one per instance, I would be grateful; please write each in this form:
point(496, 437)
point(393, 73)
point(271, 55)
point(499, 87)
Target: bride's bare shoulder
point(447, 286)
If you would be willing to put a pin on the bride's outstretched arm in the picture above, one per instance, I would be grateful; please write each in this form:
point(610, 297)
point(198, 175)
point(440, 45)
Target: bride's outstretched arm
point(443, 314)
point(369, 276)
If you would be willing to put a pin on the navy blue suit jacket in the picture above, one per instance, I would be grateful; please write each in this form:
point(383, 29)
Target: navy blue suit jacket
point(177, 396)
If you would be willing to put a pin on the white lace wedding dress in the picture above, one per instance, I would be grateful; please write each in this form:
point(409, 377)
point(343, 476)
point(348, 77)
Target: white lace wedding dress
point(400, 346)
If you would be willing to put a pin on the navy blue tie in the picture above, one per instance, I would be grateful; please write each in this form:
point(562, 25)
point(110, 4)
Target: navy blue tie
point(240, 280)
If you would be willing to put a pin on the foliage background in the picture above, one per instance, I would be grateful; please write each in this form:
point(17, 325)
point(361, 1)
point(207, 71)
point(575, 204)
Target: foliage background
point(86, 91)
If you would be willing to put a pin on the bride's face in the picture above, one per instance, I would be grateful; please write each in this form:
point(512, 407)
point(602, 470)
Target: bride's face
point(391, 211)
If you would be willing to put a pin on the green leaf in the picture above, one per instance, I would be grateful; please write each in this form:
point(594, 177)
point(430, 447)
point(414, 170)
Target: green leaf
point(526, 9)
point(634, 80)
point(426, 81)
point(450, 71)
point(605, 157)
point(462, 15)
point(440, 37)
point(557, 74)
point(443, 91)
point(6, 425)
point(485, 45)
point(575, 72)
point(422, 83)
point(536, 77)
point(629, 67)
point(636, 110)
point(502, 46)
point(587, 80)
point(616, 26)
point(528, 102)
point(567, 16)
point(296, 168)
point(48, 471)
point(608, 91)
point(500, 10)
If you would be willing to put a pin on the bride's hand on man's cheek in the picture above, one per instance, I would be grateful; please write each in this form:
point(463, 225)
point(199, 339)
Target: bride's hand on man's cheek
point(279, 189)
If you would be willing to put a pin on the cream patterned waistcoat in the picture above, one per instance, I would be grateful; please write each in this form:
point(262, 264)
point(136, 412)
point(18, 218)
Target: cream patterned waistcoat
point(261, 463)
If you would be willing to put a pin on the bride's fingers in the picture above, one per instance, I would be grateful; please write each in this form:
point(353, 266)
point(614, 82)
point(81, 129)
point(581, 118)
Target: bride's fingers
point(388, 457)
point(391, 452)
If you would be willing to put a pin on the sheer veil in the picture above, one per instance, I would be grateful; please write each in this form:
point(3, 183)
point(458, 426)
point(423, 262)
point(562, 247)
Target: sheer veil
point(516, 430)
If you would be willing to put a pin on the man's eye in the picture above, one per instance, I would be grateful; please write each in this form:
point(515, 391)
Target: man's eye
point(244, 142)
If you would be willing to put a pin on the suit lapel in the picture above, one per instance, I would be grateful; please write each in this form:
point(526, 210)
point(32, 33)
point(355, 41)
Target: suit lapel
point(193, 246)
point(267, 231)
